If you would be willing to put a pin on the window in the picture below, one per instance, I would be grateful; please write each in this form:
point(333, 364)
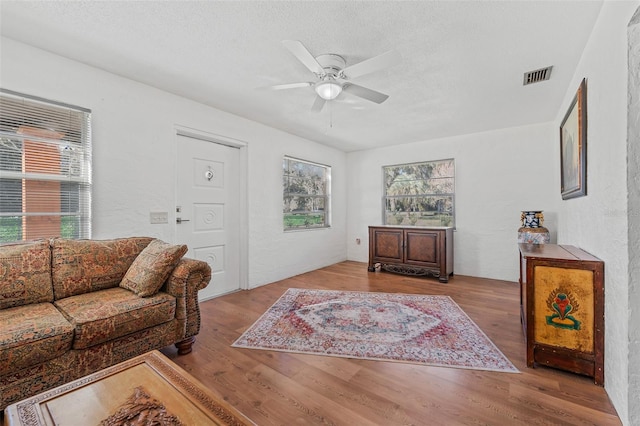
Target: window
point(420, 194)
point(307, 199)
point(45, 169)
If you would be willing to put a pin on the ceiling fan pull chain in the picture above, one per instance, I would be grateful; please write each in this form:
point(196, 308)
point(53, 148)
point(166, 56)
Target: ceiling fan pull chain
point(331, 115)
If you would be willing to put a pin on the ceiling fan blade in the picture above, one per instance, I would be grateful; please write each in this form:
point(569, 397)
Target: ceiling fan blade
point(363, 92)
point(318, 104)
point(303, 55)
point(290, 86)
point(376, 63)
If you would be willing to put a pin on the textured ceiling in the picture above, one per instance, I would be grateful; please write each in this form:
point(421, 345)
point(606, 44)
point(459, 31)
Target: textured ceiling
point(461, 70)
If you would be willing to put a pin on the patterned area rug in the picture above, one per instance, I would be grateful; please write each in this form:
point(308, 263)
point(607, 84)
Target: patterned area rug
point(429, 330)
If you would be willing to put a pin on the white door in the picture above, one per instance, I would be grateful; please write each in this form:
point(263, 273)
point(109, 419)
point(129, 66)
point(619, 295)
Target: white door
point(207, 210)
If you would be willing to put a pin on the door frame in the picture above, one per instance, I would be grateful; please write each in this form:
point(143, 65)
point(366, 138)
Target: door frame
point(242, 176)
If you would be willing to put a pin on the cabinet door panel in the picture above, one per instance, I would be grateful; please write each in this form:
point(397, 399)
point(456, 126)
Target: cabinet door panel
point(422, 248)
point(388, 245)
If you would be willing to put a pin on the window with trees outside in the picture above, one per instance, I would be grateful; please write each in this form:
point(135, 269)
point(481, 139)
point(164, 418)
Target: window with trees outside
point(307, 194)
point(45, 169)
point(420, 194)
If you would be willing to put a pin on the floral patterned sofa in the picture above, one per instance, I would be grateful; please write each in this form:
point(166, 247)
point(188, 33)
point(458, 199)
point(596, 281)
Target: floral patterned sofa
point(69, 308)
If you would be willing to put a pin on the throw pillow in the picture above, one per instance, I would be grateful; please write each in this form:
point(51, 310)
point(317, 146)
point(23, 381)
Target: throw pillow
point(152, 267)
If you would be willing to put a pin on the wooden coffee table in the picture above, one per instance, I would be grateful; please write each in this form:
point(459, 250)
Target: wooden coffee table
point(148, 385)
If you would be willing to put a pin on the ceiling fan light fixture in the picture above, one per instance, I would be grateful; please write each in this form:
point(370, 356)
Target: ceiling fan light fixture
point(328, 89)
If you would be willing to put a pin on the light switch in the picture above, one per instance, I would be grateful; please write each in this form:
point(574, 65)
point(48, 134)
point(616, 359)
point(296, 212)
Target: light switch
point(159, 217)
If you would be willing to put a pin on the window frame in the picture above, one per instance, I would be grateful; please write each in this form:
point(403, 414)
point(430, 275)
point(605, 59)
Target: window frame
point(52, 164)
point(325, 198)
point(415, 219)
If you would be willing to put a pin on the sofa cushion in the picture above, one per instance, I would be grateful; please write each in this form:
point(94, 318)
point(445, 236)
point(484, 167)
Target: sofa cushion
point(83, 266)
point(25, 274)
point(152, 267)
point(32, 334)
point(105, 315)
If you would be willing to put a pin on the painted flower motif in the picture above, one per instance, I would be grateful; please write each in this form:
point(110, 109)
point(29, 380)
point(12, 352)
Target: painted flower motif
point(562, 305)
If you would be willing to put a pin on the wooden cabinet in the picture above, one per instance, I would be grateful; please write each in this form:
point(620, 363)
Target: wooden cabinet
point(562, 308)
point(412, 250)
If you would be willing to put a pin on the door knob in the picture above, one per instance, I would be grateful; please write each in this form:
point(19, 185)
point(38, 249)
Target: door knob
point(180, 220)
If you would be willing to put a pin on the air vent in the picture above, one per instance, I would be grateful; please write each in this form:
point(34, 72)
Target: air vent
point(536, 76)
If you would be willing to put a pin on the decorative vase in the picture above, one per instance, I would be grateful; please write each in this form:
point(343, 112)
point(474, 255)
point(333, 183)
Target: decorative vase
point(532, 231)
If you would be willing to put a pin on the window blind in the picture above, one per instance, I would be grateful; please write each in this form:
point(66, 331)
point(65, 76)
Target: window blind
point(45, 169)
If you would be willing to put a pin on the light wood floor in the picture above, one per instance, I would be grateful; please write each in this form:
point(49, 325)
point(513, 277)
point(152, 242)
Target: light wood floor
point(277, 388)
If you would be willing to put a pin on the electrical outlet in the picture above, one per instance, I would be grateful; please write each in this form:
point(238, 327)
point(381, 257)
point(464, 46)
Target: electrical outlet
point(158, 217)
point(358, 241)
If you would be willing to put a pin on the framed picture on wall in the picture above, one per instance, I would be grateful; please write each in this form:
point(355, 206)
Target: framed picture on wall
point(573, 147)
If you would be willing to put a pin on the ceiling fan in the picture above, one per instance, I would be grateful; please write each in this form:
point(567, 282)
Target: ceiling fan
point(334, 77)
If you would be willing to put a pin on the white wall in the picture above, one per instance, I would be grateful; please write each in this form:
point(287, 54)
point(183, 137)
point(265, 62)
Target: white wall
point(498, 174)
point(633, 182)
point(134, 160)
point(598, 222)
point(276, 254)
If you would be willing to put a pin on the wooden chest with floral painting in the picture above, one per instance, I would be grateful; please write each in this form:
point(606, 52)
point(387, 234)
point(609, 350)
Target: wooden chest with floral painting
point(562, 308)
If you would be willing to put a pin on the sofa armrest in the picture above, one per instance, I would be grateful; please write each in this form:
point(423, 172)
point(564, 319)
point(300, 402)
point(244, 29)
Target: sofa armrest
point(186, 279)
